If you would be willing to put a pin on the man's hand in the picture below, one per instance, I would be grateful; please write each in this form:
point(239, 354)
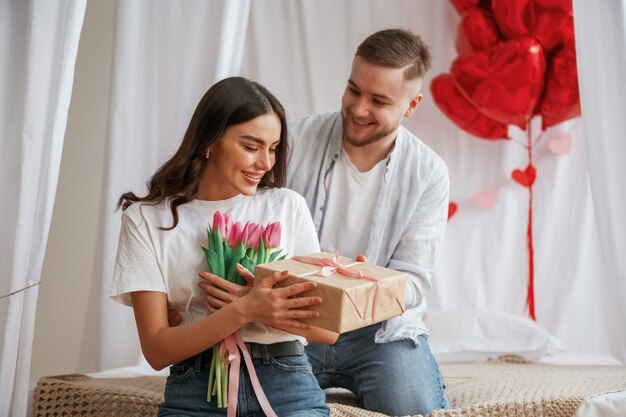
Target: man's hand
point(173, 317)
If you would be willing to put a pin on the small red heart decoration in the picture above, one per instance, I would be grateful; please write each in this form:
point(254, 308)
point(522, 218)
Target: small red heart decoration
point(485, 199)
point(550, 21)
point(525, 177)
point(452, 207)
point(462, 112)
point(561, 145)
point(504, 82)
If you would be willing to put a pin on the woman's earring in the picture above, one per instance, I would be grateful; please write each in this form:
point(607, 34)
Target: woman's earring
point(208, 154)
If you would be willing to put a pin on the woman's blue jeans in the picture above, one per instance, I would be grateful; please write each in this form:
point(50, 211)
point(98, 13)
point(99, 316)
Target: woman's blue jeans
point(396, 378)
point(288, 383)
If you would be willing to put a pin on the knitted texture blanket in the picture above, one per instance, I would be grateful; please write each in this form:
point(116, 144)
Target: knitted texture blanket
point(505, 387)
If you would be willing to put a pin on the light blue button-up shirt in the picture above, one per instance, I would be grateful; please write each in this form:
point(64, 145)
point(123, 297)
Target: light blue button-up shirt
point(409, 216)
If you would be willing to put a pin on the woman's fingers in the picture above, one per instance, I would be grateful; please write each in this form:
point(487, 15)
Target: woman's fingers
point(296, 289)
point(215, 302)
point(216, 292)
point(226, 285)
point(303, 314)
point(245, 274)
point(282, 306)
point(209, 307)
point(273, 279)
point(295, 324)
point(300, 302)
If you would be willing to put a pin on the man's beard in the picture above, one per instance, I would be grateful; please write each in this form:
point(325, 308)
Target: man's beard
point(368, 141)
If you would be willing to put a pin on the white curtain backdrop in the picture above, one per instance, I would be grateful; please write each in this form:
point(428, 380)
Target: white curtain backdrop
point(601, 45)
point(168, 53)
point(38, 46)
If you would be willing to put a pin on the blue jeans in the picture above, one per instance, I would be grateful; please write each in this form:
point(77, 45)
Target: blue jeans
point(288, 383)
point(396, 378)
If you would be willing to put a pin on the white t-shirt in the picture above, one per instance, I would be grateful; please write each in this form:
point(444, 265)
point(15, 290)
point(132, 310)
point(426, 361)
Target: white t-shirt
point(347, 221)
point(149, 259)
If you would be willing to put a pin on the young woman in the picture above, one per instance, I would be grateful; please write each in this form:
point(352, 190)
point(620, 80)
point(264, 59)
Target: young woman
point(232, 159)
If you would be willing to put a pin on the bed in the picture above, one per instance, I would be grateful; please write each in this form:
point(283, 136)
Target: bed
point(493, 366)
point(509, 386)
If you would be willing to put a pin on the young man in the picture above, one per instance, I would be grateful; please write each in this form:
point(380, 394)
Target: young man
point(374, 188)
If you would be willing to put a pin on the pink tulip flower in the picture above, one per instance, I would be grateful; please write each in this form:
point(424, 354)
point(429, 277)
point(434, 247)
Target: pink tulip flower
point(253, 231)
point(236, 234)
point(222, 221)
point(271, 235)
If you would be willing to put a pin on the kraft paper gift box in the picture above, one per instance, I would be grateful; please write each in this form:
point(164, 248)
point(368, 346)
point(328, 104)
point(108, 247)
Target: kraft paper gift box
point(347, 303)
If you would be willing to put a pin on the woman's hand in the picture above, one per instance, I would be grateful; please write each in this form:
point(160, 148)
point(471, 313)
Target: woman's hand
point(220, 292)
point(279, 307)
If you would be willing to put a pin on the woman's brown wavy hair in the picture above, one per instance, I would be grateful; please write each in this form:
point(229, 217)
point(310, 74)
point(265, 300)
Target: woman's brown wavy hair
point(229, 102)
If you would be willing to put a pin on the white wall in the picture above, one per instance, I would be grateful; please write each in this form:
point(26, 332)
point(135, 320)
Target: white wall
point(62, 344)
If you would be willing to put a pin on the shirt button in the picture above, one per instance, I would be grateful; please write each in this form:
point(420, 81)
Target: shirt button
point(336, 155)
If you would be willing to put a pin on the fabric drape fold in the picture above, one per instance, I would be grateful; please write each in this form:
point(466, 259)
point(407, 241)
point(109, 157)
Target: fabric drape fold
point(38, 51)
point(601, 59)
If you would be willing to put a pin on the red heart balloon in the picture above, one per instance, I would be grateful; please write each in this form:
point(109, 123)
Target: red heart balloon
point(550, 21)
point(504, 82)
point(561, 100)
point(525, 177)
point(452, 207)
point(462, 112)
point(477, 31)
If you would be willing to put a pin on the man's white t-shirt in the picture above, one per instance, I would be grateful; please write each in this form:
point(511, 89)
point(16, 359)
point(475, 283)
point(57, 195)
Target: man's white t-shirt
point(150, 259)
point(350, 206)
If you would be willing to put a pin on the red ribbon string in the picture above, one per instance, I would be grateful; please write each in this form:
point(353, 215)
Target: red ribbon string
point(530, 296)
point(330, 267)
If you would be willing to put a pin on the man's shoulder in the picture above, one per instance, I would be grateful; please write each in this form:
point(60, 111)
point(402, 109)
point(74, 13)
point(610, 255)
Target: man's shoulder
point(311, 137)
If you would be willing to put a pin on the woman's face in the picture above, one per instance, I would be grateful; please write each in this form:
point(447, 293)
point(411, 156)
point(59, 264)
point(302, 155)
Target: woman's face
point(240, 158)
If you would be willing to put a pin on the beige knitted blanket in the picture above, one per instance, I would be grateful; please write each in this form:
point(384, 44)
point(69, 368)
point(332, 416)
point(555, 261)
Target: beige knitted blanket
point(493, 389)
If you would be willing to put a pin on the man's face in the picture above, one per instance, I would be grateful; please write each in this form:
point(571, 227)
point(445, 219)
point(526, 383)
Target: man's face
point(375, 101)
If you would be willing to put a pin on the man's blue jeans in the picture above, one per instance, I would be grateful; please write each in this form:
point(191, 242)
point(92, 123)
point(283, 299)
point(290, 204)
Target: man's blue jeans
point(396, 378)
point(287, 382)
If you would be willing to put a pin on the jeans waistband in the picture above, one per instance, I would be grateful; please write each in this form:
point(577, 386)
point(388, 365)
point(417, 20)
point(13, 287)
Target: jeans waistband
point(256, 350)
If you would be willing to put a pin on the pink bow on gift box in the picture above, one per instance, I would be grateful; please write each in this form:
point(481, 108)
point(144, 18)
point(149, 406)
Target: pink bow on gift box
point(332, 266)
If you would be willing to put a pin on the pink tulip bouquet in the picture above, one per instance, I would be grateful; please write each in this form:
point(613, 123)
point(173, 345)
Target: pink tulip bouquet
point(231, 243)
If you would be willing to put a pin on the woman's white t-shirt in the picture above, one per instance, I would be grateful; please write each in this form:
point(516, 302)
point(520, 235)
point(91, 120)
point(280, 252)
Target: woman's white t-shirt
point(150, 259)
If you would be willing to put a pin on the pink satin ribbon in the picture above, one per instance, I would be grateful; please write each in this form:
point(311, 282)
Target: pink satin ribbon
point(330, 267)
point(231, 346)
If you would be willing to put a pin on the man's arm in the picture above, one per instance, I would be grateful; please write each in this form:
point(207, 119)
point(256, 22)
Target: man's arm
point(418, 250)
